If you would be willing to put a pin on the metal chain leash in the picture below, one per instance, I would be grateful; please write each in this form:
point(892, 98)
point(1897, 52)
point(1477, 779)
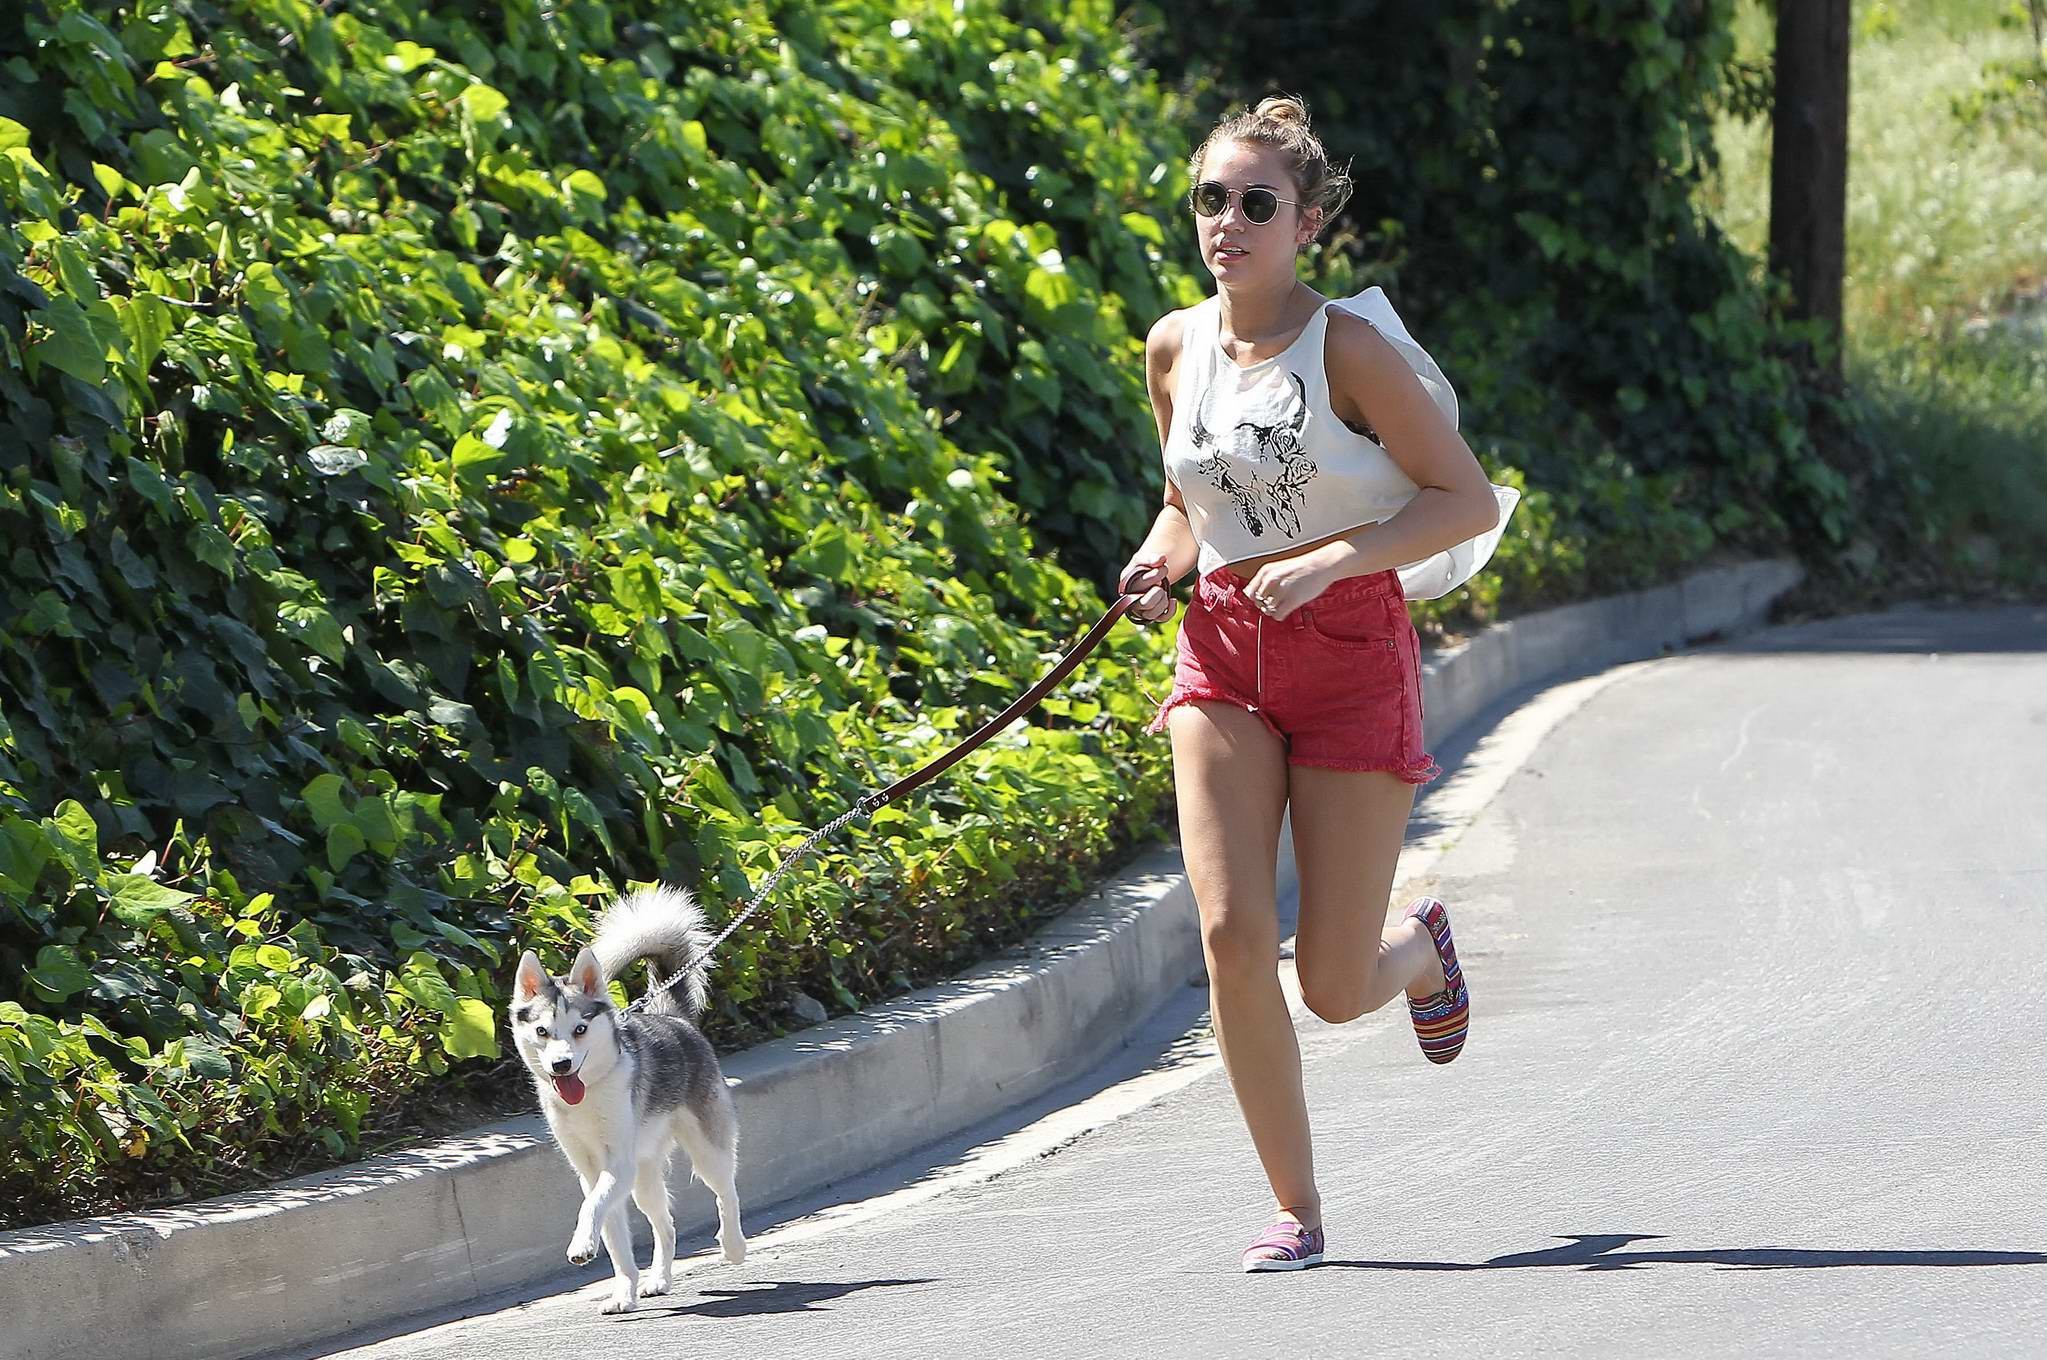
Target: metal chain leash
point(868, 804)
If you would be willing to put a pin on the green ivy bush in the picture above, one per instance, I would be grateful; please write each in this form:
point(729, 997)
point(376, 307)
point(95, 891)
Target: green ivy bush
point(459, 461)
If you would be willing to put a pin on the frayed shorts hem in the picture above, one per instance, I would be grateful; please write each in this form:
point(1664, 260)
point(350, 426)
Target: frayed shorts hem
point(1418, 772)
point(1407, 774)
point(1207, 695)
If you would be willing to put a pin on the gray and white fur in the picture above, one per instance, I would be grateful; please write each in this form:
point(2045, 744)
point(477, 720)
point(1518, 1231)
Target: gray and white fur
point(621, 1088)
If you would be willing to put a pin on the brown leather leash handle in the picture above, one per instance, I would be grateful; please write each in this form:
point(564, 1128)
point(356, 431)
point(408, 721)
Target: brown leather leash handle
point(1024, 703)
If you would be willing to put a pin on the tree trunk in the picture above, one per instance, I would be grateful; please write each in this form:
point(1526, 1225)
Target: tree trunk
point(1809, 162)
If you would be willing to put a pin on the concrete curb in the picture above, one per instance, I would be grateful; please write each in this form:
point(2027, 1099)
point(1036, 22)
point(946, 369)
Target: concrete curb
point(461, 1218)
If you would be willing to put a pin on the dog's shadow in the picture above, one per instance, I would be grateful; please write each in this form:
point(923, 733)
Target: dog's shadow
point(1604, 1251)
point(785, 1296)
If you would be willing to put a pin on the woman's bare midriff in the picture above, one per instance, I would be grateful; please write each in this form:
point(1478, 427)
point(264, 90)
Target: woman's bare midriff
point(1248, 567)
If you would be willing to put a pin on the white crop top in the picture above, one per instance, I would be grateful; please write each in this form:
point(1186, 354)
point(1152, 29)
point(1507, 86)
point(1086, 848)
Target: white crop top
point(1263, 464)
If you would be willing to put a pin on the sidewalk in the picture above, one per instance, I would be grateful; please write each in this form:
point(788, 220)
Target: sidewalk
point(467, 1217)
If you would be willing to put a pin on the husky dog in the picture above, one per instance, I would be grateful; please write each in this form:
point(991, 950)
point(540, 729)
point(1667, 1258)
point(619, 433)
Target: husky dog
point(620, 1089)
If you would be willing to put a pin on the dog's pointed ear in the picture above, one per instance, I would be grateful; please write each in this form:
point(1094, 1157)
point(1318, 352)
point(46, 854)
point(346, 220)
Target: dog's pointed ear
point(586, 975)
point(532, 979)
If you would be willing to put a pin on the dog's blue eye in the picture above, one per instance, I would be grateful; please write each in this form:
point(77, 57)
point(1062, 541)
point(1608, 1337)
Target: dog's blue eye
point(540, 1030)
point(581, 1030)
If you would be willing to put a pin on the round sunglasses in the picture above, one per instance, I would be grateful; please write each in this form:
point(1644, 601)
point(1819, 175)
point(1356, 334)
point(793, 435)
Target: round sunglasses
point(1210, 199)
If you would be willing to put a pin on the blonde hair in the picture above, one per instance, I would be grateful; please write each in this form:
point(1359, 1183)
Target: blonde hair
point(1281, 122)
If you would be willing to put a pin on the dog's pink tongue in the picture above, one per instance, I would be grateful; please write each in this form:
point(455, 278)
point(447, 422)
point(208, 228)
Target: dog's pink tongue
point(570, 1088)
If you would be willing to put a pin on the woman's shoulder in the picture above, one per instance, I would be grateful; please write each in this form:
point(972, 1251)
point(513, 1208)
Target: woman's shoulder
point(1355, 346)
point(1165, 342)
point(1368, 348)
point(1168, 333)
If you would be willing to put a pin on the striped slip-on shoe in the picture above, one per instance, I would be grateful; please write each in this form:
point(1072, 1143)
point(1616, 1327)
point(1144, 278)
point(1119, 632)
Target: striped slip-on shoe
point(1286, 1246)
point(1440, 1021)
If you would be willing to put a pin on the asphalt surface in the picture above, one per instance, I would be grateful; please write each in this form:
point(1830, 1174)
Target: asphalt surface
point(1757, 941)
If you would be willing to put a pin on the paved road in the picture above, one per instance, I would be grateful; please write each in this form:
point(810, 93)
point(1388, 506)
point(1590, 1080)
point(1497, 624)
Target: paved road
point(1758, 946)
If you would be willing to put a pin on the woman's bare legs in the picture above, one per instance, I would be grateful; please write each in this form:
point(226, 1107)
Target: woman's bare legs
point(1348, 826)
point(1230, 774)
point(1234, 787)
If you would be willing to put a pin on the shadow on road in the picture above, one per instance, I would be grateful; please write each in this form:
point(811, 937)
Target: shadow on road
point(1602, 1251)
point(787, 1296)
point(1908, 630)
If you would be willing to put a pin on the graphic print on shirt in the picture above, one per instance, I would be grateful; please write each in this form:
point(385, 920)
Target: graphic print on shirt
point(1276, 497)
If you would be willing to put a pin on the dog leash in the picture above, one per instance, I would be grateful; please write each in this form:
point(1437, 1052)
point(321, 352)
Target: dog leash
point(873, 801)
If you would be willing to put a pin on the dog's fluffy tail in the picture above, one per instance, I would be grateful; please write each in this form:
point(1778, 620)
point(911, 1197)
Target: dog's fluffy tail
point(666, 927)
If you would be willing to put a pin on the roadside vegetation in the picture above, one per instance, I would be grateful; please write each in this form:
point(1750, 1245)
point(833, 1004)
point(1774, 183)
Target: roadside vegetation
point(1946, 293)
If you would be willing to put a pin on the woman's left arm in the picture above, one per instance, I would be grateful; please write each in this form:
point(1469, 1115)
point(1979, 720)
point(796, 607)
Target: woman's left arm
point(1371, 385)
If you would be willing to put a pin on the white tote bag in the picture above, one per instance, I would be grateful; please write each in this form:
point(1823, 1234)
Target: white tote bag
point(1435, 576)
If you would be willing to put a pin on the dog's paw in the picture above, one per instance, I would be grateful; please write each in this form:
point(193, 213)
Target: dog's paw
point(653, 1286)
point(583, 1249)
point(622, 1300)
point(734, 1251)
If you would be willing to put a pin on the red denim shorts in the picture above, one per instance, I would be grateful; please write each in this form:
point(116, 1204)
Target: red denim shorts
point(1338, 680)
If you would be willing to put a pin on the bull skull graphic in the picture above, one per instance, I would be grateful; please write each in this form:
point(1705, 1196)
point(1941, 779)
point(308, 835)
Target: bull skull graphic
point(1274, 498)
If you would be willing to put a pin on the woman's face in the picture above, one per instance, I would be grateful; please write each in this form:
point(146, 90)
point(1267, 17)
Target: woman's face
point(1238, 251)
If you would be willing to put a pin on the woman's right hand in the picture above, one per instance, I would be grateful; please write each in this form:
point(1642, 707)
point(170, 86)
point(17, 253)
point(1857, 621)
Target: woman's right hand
point(1145, 578)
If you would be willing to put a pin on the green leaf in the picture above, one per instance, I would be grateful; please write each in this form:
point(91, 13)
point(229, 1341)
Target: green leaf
point(378, 827)
point(470, 1031)
point(1144, 227)
point(827, 554)
point(316, 628)
point(422, 981)
point(265, 290)
point(135, 570)
point(71, 346)
point(58, 973)
point(356, 736)
point(205, 1059)
point(212, 547)
point(344, 843)
point(710, 781)
point(148, 323)
point(1049, 292)
point(346, 426)
point(583, 810)
point(76, 837)
point(407, 56)
point(25, 848)
point(483, 103)
point(149, 483)
point(323, 800)
point(138, 900)
point(472, 455)
point(897, 250)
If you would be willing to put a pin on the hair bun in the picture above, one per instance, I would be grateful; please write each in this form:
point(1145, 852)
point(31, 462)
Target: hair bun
point(1282, 108)
point(1280, 124)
